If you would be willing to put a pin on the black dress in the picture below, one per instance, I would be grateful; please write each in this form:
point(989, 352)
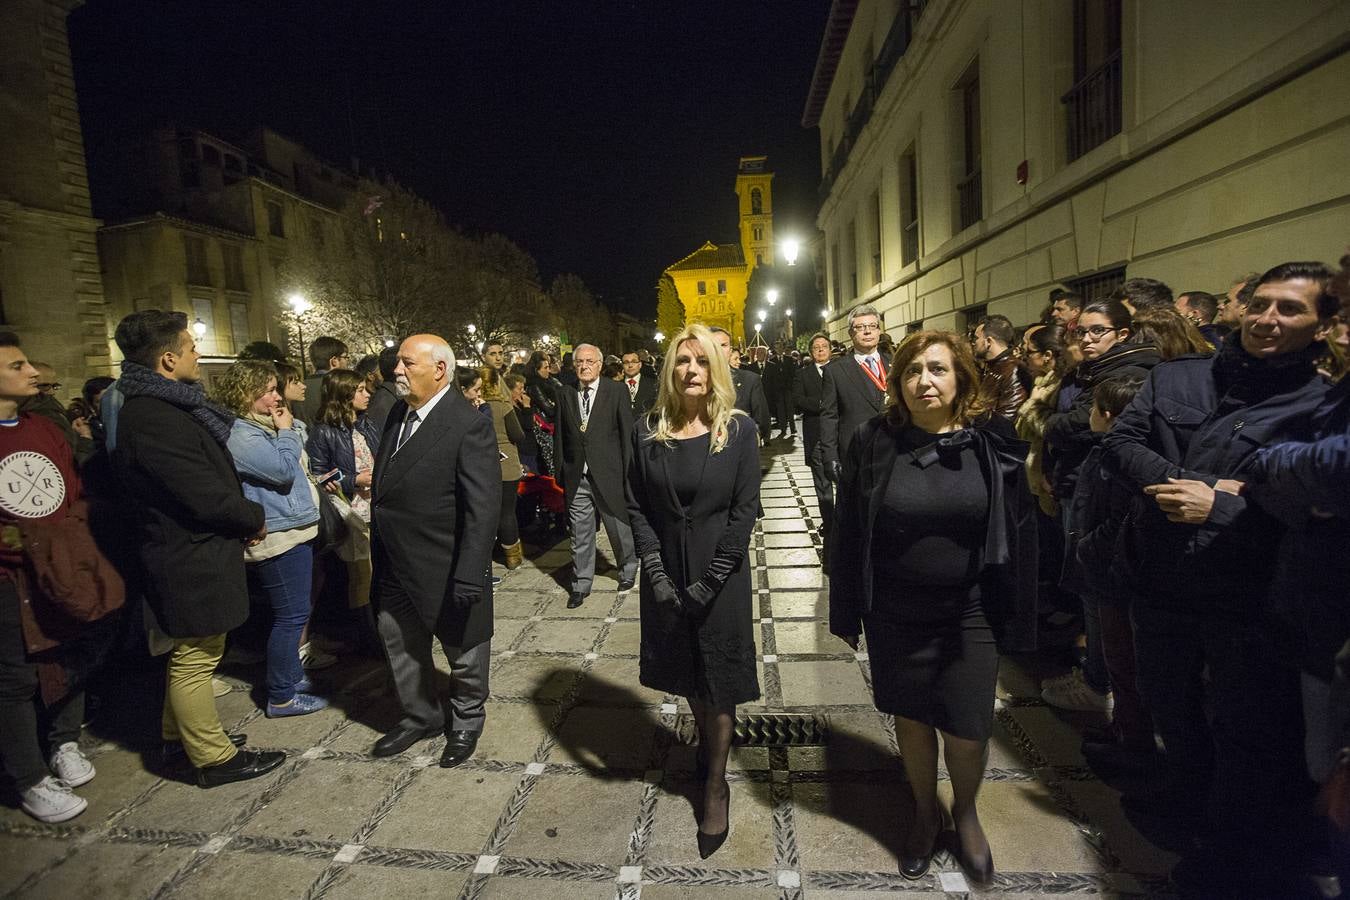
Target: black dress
point(696, 511)
point(930, 645)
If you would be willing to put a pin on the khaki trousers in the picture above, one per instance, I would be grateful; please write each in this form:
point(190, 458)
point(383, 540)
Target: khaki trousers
point(190, 712)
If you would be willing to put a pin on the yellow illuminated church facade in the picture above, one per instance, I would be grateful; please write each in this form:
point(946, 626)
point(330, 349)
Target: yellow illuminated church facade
point(713, 281)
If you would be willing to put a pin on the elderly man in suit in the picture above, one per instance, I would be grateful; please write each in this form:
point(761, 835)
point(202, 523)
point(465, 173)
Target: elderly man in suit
point(436, 495)
point(641, 384)
point(853, 389)
point(591, 447)
point(808, 387)
point(750, 397)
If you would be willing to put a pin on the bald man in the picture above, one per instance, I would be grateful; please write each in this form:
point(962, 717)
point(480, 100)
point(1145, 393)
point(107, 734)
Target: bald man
point(436, 493)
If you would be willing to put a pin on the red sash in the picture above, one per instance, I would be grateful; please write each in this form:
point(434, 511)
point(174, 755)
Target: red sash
point(880, 382)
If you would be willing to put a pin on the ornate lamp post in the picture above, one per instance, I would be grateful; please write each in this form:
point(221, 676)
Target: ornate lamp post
point(299, 306)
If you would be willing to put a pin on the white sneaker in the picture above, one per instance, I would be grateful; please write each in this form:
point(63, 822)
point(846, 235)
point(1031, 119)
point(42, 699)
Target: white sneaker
point(312, 658)
point(72, 766)
point(220, 687)
point(1073, 692)
point(51, 800)
point(1057, 679)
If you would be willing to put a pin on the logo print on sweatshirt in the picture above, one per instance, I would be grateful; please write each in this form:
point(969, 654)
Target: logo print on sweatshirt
point(31, 485)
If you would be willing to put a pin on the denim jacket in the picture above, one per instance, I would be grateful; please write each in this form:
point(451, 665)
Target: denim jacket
point(268, 463)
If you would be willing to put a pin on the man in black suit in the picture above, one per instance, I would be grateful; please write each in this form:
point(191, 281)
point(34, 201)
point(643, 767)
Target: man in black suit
point(385, 395)
point(192, 522)
point(641, 385)
point(592, 443)
point(749, 388)
point(807, 389)
point(436, 494)
point(853, 389)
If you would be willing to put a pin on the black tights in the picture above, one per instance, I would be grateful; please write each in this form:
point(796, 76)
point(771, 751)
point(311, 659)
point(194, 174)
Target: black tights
point(715, 728)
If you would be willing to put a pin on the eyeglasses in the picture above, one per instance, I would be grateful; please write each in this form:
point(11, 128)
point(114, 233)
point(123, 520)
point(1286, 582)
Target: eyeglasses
point(864, 327)
point(1096, 331)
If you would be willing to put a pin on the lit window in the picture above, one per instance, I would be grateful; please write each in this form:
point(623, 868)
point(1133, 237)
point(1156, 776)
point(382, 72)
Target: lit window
point(702, 288)
point(721, 286)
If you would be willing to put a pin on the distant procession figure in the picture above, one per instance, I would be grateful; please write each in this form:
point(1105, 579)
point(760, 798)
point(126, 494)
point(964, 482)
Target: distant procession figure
point(693, 495)
point(934, 559)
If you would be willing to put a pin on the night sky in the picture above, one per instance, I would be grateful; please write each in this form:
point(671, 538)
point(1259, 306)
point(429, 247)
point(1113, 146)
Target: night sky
point(601, 136)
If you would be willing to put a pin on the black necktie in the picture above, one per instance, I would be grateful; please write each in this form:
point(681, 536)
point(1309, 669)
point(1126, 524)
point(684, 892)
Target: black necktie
point(407, 430)
point(586, 403)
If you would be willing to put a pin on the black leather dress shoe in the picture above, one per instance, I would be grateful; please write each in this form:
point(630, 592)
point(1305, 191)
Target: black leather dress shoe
point(626, 584)
point(459, 746)
point(173, 754)
point(575, 599)
point(400, 739)
point(246, 764)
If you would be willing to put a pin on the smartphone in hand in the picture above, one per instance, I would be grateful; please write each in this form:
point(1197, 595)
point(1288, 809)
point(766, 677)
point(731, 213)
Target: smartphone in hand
point(326, 477)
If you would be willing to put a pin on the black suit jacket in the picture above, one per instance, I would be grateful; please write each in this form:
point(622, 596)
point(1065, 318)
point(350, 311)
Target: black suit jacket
point(191, 514)
point(604, 446)
point(434, 515)
point(750, 399)
point(383, 400)
point(646, 394)
point(848, 399)
point(807, 389)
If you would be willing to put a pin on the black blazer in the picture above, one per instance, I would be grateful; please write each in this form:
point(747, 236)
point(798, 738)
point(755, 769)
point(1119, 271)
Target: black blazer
point(848, 399)
point(808, 387)
point(191, 514)
point(1009, 557)
point(750, 399)
point(381, 401)
point(434, 514)
point(604, 446)
point(646, 394)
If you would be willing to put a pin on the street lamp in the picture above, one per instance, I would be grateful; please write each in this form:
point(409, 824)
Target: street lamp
point(543, 338)
point(199, 329)
point(659, 337)
point(389, 342)
point(472, 328)
point(299, 305)
point(763, 314)
point(825, 313)
point(790, 248)
point(771, 295)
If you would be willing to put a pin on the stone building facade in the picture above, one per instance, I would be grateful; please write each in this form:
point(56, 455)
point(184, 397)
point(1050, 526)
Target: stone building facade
point(51, 293)
point(979, 152)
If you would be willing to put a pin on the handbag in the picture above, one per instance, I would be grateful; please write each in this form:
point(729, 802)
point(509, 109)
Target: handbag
point(332, 522)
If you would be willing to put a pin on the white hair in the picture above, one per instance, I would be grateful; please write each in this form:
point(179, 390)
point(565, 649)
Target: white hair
point(579, 347)
point(443, 353)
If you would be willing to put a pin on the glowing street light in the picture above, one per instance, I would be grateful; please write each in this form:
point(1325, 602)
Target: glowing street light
point(299, 305)
point(825, 313)
point(199, 329)
point(389, 342)
point(763, 314)
point(790, 248)
point(771, 295)
point(788, 312)
point(544, 338)
point(758, 327)
point(659, 337)
point(472, 328)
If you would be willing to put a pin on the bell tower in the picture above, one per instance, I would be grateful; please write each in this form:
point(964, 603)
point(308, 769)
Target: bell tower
point(754, 190)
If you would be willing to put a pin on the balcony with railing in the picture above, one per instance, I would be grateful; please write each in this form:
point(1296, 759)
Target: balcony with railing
point(1093, 107)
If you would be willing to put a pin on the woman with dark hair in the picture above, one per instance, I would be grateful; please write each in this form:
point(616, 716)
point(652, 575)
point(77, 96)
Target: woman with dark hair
point(1044, 359)
point(290, 385)
point(268, 448)
point(542, 389)
point(935, 561)
point(470, 384)
point(1109, 350)
point(1168, 330)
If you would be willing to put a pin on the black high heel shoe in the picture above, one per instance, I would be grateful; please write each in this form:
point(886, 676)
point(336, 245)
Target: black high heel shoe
point(708, 844)
point(917, 866)
point(979, 871)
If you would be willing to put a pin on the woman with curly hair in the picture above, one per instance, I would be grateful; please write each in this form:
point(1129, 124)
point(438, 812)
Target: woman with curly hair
point(268, 447)
point(693, 495)
point(934, 559)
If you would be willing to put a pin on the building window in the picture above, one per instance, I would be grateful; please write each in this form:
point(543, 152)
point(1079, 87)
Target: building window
point(970, 317)
point(909, 207)
point(875, 228)
point(702, 288)
point(1093, 104)
point(234, 267)
point(721, 286)
point(969, 200)
point(276, 223)
point(194, 248)
point(757, 232)
point(202, 312)
point(239, 325)
point(759, 259)
point(851, 255)
point(1098, 286)
point(756, 202)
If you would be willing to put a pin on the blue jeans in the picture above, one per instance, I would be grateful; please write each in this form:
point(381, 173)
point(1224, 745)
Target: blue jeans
point(285, 579)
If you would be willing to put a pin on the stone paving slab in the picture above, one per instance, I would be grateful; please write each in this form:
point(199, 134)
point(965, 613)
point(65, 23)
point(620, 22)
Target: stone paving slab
point(581, 785)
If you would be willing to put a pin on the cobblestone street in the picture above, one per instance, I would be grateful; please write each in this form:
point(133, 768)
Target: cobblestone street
point(581, 784)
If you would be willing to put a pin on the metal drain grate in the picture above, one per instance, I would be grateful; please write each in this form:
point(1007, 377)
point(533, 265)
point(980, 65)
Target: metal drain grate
point(767, 730)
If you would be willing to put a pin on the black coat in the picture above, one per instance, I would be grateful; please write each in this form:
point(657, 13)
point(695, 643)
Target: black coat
point(848, 398)
point(1008, 561)
point(1068, 435)
point(808, 387)
point(750, 399)
point(330, 447)
point(705, 654)
point(434, 511)
point(1205, 418)
point(381, 401)
point(646, 394)
point(191, 516)
point(604, 446)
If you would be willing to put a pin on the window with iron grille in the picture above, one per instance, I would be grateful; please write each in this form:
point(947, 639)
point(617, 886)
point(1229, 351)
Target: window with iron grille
point(909, 207)
point(1093, 104)
point(968, 188)
point(1097, 286)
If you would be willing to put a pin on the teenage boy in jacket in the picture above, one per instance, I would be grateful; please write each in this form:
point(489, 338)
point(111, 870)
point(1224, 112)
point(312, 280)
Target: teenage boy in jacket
point(1200, 559)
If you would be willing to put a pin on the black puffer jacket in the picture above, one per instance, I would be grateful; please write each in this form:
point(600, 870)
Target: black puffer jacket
point(1068, 435)
point(1205, 418)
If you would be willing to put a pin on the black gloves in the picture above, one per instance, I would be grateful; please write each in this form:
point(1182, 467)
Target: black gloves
point(701, 593)
point(663, 589)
